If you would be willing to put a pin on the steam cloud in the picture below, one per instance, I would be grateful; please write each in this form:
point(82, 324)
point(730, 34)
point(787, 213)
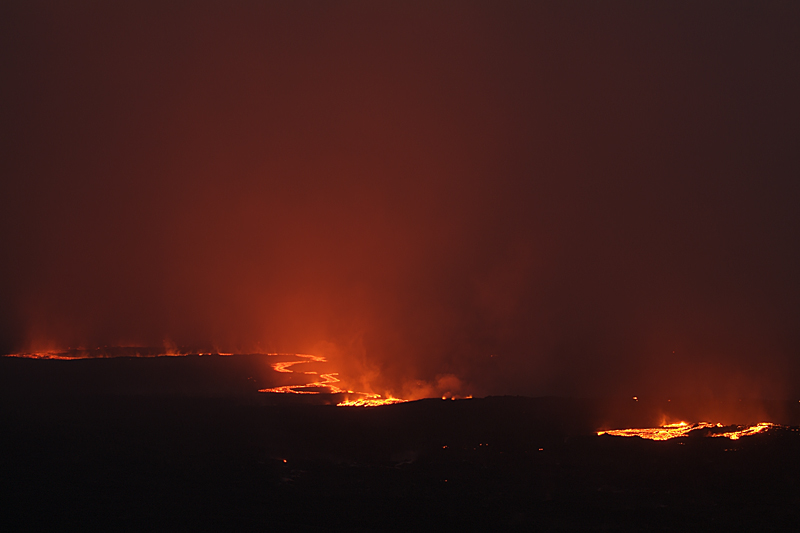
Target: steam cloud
point(448, 198)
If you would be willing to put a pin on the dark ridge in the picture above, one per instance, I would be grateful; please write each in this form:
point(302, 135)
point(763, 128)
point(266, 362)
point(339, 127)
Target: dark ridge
point(179, 443)
point(125, 462)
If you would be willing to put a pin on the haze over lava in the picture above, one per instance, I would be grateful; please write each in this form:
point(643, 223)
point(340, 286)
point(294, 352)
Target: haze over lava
point(474, 198)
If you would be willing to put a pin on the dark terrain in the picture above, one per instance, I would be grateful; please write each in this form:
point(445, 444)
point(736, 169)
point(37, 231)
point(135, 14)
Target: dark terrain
point(188, 458)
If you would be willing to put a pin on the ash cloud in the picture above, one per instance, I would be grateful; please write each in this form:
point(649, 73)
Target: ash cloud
point(545, 199)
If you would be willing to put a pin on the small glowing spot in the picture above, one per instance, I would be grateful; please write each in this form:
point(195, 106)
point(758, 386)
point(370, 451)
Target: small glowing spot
point(541, 449)
point(284, 460)
point(636, 398)
point(444, 447)
point(444, 397)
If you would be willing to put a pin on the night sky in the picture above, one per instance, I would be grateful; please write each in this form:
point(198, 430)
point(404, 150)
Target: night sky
point(532, 198)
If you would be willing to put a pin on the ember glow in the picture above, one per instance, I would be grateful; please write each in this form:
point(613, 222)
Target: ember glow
point(682, 429)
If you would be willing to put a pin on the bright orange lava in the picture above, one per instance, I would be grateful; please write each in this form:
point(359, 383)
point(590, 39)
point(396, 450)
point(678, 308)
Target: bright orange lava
point(745, 432)
point(74, 355)
point(682, 429)
point(326, 385)
point(370, 402)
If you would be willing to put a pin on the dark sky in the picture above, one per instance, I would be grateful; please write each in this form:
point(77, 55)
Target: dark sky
point(484, 197)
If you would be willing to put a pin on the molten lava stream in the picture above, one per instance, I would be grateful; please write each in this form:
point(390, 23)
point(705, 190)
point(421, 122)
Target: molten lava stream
point(327, 384)
point(682, 429)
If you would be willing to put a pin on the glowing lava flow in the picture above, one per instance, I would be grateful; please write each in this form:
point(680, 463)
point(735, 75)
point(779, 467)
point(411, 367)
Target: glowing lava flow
point(666, 432)
point(372, 400)
point(326, 385)
point(746, 432)
point(74, 355)
point(682, 429)
point(54, 356)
